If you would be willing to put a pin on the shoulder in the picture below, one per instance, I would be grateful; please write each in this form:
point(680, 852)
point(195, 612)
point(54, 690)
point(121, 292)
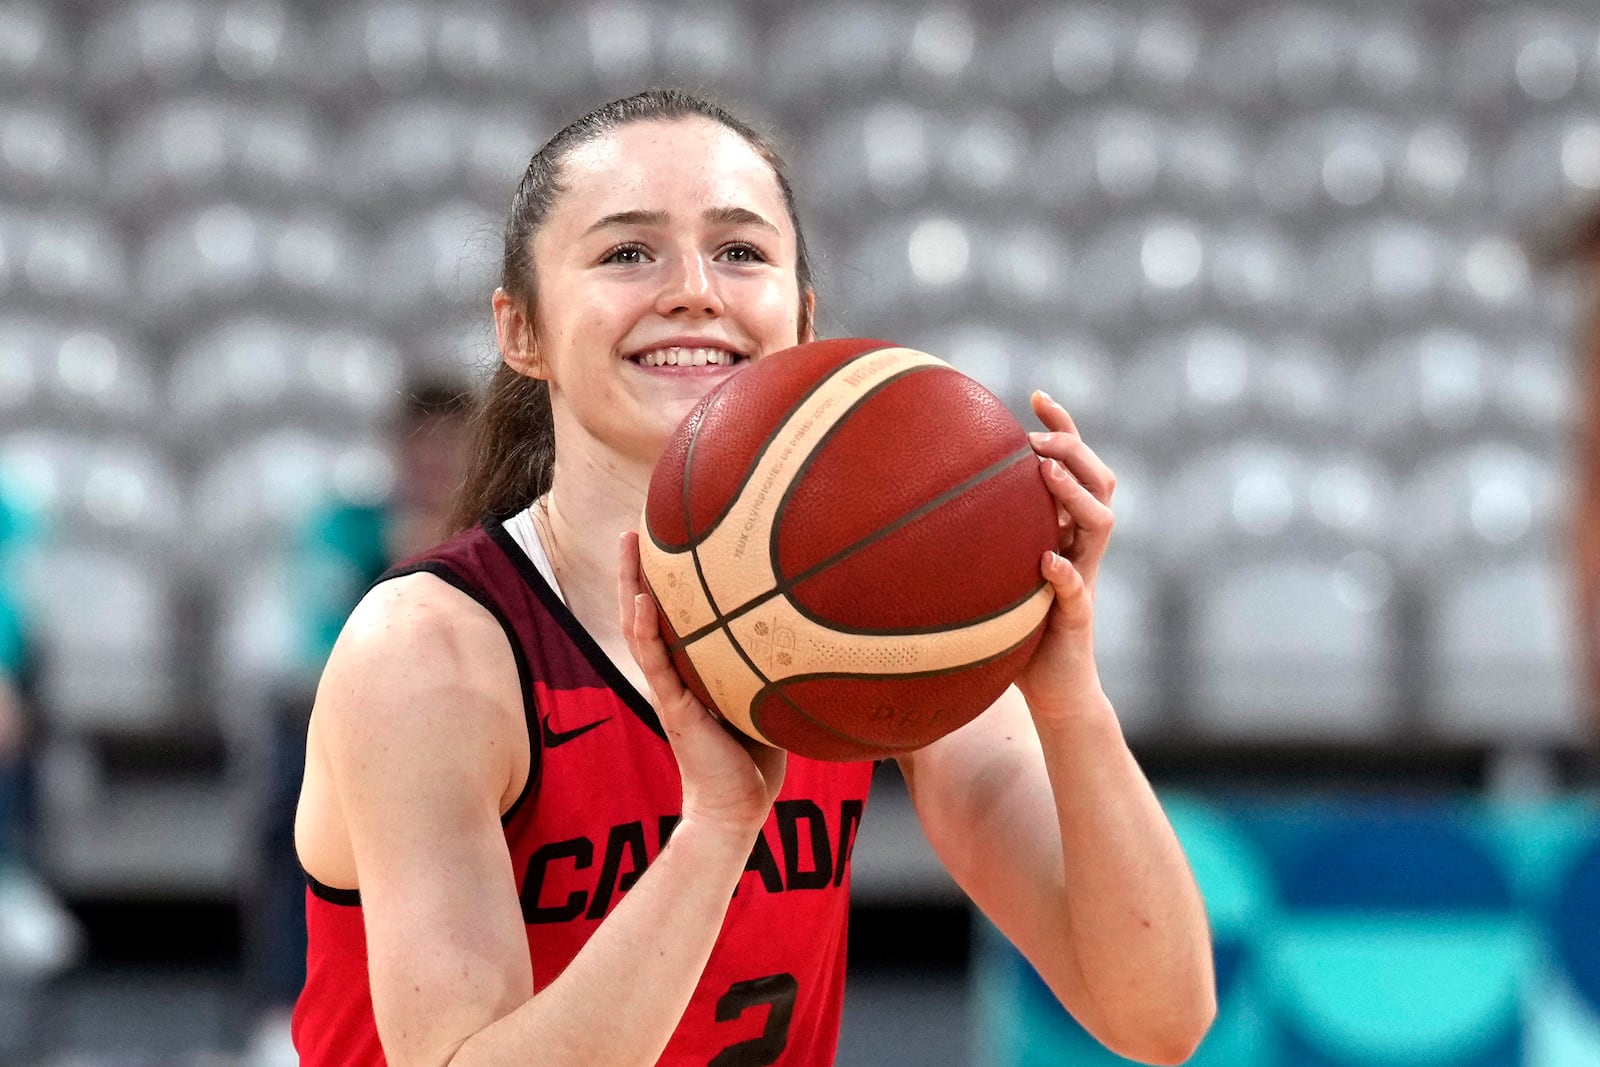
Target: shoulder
point(419, 658)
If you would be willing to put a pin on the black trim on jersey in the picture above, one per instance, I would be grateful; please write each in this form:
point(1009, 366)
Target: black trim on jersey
point(345, 898)
point(530, 713)
point(581, 637)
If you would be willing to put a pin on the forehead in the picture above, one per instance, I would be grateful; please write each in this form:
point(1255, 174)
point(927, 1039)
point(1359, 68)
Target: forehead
point(681, 166)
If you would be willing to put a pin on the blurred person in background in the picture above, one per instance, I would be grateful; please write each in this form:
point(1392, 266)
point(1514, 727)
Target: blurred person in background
point(38, 936)
point(342, 550)
point(478, 897)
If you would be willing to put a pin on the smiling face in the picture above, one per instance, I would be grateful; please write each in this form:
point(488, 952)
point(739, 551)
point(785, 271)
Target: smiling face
point(667, 263)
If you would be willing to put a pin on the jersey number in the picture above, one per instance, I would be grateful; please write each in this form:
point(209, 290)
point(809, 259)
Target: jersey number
point(777, 990)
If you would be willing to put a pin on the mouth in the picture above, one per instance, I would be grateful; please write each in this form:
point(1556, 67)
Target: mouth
point(688, 356)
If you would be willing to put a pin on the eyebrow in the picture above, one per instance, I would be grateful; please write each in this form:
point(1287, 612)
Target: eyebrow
point(736, 216)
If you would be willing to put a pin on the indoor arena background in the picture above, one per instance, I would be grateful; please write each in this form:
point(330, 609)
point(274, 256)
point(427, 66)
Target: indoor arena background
point(1278, 259)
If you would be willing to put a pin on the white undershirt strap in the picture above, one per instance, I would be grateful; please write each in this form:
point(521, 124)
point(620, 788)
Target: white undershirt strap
point(525, 533)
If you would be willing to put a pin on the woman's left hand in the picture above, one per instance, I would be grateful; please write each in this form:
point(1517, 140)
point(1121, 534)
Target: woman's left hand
point(1082, 485)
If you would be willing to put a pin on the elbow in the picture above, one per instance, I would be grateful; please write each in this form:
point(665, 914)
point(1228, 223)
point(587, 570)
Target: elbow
point(1171, 1040)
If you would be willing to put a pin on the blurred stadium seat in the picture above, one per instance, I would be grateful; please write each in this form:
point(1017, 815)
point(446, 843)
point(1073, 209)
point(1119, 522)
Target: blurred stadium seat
point(193, 149)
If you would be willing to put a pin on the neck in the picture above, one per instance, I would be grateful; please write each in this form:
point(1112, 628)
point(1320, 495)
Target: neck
point(585, 514)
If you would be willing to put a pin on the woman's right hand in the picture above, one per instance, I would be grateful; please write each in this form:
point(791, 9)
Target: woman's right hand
point(729, 779)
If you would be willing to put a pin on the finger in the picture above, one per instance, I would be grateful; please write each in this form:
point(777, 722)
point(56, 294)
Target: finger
point(1051, 413)
point(1079, 459)
point(628, 580)
point(650, 651)
point(1090, 517)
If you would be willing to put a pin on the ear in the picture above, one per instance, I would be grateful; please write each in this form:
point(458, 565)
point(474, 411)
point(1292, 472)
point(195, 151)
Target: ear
point(808, 316)
point(514, 333)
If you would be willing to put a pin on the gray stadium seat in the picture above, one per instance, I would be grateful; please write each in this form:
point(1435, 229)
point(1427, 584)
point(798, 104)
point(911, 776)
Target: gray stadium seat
point(47, 152)
point(1550, 167)
point(168, 45)
point(1291, 646)
point(204, 259)
point(1478, 503)
point(885, 153)
point(410, 154)
point(941, 58)
point(1330, 161)
point(199, 148)
point(1521, 56)
point(836, 50)
point(248, 499)
point(443, 261)
point(1500, 641)
point(1294, 54)
point(1127, 641)
point(984, 156)
point(1025, 264)
point(1383, 272)
point(107, 623)
point(248, 374)
point(1103, 157)
point(1049, 50)
point(36, 50)
point(1418, 390)
point(1257, 272)
point(1441, 169)
point(116, 492)
point(62, 259)
point(710, 43)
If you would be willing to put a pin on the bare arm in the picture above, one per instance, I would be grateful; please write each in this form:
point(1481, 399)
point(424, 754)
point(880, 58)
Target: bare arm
point(418, 718)
point(1041, 813)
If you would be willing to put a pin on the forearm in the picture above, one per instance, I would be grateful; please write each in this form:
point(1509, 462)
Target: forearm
point(1131, 912)
point(622, 996)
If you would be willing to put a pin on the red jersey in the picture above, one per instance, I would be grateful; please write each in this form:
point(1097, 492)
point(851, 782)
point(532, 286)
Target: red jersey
point(602, 797)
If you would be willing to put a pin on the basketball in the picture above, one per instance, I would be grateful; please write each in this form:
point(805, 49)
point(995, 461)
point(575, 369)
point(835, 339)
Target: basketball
point(844, 543)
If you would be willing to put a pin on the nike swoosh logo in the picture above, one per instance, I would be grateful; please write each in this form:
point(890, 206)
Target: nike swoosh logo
point(552, 737)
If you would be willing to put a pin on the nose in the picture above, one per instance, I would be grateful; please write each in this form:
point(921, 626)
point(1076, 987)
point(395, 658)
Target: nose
point(690, 287)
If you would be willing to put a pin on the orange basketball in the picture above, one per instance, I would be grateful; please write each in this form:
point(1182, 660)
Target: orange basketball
point(844, 541)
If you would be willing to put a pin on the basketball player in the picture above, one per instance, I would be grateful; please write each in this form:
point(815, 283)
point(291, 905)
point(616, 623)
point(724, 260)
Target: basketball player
point(526, 843)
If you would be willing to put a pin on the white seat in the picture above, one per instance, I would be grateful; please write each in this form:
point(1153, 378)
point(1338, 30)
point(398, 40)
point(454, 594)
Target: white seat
point(1440, 170)
point(1292, 647)
point(1164, 60)
point(885, 152)
point(984, 156)
point(710, 44)
point(107, 624)
point(249, 499)
point(1127, 641)
point(942, 57)
point(1421, 389)
point(201, 148)
point(1384, 272)
point(1476, 504)
point(1051, 49)
point(444, 260)
point(117, 491)
point(46, 150)
point(1550, 166)
point(227, 252)
point(1024, 264)
point(836, 49)
point(168, 44)
point(1331, 161)
point(1286, 53)
point(1209, 161)
point(1519, 57)
point(411, 154)
point(1501, 645)
point(1115, 155)
point(34, 47)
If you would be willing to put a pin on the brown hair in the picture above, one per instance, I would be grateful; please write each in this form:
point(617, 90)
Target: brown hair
point(513, 448)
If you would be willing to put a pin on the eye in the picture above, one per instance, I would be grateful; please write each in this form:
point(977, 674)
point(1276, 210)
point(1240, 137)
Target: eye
point(742, 252)
point(626, 254)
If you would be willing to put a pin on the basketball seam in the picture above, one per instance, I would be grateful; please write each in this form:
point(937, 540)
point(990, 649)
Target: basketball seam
point(755, 717)
point(733, 498)
point(786, 584)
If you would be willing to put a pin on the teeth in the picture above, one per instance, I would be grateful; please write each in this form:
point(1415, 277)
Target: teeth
point(675, 356)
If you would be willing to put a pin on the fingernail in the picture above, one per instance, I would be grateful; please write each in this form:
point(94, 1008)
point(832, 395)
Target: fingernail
point(1048, 399)
point(1038, 437)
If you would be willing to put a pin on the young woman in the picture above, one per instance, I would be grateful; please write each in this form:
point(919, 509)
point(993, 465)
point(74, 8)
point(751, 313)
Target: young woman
point(527, 843)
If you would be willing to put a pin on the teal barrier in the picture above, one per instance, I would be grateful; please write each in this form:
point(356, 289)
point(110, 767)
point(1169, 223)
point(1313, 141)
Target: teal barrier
point(1362, 932)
